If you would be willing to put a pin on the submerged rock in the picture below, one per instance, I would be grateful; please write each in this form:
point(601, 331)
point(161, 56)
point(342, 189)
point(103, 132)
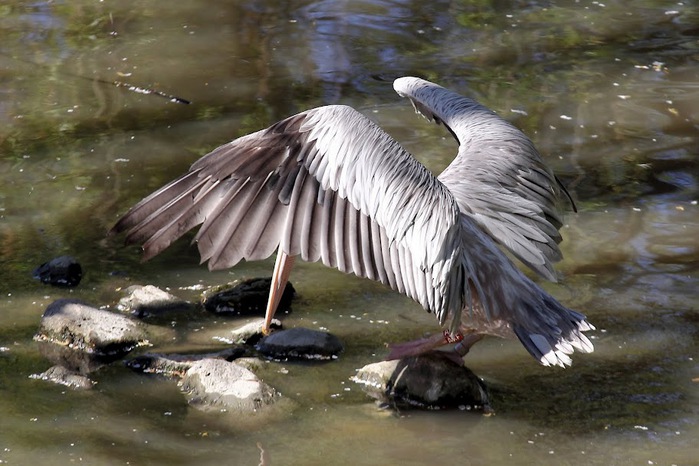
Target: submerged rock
point(248, 298)
point(300, 343)
point(62, 376)
point(223, 385)
point(143, 301)
point(428, 381)
point(176, 365)
point(82, 338)
point(221, 381)
point(63, 271)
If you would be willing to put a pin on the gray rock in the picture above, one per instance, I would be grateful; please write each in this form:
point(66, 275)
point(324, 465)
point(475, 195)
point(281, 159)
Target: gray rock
point(300, 343)
point(375, 378)
point(222, 385)
point(82, 338)
point(247, 298)
point(252, 364)
point(429, 381)
point(251, 333)
point(176, 365)
point(143, 301)
point(62, 376)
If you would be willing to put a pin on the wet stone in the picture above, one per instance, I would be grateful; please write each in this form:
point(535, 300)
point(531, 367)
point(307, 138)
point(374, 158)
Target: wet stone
point(176, 365)
point(82, 338)
point(144, 301)
point(300, 343)
point(222, 385)
point(247, 299)
point(251, 363)
point(251, 333)
point(62, 376)
point(63, 271)
point(429, 381)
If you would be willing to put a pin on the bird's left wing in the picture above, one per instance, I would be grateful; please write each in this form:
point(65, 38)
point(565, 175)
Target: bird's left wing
point(326, 184)
point(498, 177)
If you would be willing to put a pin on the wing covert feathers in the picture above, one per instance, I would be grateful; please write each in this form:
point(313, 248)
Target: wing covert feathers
point(498, 177)
point(329, 185)
point(326, 184)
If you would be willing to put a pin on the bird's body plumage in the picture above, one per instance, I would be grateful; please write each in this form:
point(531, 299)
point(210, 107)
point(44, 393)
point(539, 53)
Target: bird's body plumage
point(329, 185)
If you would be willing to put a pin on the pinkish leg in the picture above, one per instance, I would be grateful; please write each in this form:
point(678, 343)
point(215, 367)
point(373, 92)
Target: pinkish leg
point(455, 352)
point(415, 347)
point(463, 347)
point(282, 270)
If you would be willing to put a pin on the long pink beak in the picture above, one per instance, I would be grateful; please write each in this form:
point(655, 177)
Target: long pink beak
point(282, 270)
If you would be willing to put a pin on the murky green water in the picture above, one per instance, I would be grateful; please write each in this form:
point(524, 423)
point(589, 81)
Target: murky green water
point(609, 92)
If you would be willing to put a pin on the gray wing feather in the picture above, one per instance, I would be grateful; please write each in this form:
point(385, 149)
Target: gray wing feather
point(498, 178)
point(327, 185)
point(330, 186)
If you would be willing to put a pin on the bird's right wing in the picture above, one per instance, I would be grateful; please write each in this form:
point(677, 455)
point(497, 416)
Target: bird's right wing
point(498, 177)
point(326, 184)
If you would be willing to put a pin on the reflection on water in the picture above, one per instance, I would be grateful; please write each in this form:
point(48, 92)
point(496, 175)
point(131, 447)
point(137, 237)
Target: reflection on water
point(607, 91)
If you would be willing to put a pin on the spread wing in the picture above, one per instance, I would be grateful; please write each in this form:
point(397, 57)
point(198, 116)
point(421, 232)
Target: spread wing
point(498, 177)
point(326, 184)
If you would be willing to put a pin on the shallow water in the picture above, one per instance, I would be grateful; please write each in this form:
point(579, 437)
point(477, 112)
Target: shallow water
point(609, 93)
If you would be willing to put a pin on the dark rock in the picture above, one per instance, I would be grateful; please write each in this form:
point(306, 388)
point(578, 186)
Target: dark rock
point(248, 298)
point(144, 301)
point(300, 343)
point(62, 271)
point(176, 365)
point(62, 376)
point(82, 338)
point(223, 385)
point(428, 381)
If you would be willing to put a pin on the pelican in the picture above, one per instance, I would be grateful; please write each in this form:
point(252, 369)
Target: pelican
point(329, 185)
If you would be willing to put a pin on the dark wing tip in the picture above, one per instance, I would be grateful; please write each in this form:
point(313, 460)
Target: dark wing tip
point(564, 190)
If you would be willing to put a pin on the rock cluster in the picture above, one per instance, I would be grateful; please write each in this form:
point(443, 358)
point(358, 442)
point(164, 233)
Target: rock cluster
point(79, 339)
